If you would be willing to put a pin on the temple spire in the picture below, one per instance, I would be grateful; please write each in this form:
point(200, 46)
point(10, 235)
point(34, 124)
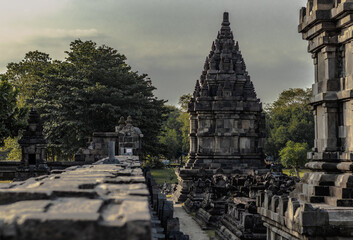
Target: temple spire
point(225, 19)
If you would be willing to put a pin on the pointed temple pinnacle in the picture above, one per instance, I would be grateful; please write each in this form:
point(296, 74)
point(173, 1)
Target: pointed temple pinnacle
point(225, 19)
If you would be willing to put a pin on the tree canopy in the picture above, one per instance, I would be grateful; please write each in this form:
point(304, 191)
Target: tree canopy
point(175, 130)
point(293, 155)
point(11, 116)
point(289, 118)
point(88, 92)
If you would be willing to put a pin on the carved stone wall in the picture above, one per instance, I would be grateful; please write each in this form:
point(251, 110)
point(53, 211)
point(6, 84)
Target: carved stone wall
point(321, 206)
point(226, 121)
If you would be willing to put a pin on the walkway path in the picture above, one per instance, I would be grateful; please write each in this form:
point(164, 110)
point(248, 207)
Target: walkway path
point(188, 225)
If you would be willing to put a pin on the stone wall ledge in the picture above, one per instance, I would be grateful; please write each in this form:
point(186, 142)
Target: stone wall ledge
point(98, 201)
point(298, 218)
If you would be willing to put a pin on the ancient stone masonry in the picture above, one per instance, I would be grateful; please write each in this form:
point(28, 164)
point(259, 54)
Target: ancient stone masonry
point(165, 225)
point(127, 140)
point(226, 120)
point(321, 207)
point(101, 201)
point(130, 138)
point(33, 145)
point(227, 204)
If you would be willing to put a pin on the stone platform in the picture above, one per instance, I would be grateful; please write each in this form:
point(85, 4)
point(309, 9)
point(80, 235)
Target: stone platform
point(101, 201)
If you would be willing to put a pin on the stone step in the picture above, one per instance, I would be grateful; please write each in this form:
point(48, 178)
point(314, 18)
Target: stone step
point(158, 236)
point(156, 230)
point(344, 193)
point(317, 199)
point(334, 201)
point(156, 222)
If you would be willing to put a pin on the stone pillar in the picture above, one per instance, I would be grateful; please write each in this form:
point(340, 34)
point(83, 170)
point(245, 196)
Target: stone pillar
point(330, 127)
point(193, 140)
point(111, 150)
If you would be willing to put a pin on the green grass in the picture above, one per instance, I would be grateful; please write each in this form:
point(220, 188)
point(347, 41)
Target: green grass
point(164, 175)
point(7, 181)
point(301, 172)
point(210, 233)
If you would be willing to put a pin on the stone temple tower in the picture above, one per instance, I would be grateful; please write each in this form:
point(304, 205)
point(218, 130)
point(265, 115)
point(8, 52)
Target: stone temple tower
point(227, 125)
point(226, 121)
point(321, 206)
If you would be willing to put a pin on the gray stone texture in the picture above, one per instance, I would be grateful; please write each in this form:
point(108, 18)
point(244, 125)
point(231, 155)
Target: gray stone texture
point(163, 221)
point(127, 139)
point(226, 121)
point(101, 201)
point(34, 146)
point(321, 205)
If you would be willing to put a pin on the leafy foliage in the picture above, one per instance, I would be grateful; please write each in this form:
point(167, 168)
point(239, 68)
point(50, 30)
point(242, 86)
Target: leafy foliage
point(27, 74)
point(293, 155)
point(175, 130)
point(171, 136)
point(184, 101)
point(11, 116)
point(184, 119)
point(11, 149)
point(289, 118)
point(88, 92)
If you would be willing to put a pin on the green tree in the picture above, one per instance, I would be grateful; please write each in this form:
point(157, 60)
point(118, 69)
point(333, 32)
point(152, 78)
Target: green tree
point(11, 116)
point(293, 155)
point(175, 130)
point(88, 92)
point(184, 119)
point(27, 74)
point(184, 102)
point(289, 118)
point(171, 135)
point(11, 149)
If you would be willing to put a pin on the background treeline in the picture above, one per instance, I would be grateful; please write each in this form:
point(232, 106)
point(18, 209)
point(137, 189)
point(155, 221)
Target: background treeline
point(290, 128)
point(94, 86)
point(86, 92)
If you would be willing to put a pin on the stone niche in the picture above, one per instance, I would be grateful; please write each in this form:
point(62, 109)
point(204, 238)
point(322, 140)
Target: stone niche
point(321, 206)
point(227, 125)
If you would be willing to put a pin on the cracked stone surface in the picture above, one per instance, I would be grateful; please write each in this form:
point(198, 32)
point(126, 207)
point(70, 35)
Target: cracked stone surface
point(100, 201)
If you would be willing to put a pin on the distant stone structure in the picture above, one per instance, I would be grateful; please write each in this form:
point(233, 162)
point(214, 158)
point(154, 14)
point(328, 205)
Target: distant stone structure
point(226, 121)
point(34, 146)
point(321, 206)
point(126, 138)
point(130, 138)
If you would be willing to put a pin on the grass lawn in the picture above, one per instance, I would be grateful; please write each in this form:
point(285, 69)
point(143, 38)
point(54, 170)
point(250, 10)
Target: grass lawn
point(301, 172)
point(164, 175)
point(7, 181)
point(210, 233)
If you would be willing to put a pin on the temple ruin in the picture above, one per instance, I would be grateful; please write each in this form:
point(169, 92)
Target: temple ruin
point(321, 206)
point(226, 121)
point(34, 148)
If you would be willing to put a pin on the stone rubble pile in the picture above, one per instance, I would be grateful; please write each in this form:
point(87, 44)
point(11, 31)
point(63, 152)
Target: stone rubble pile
point(227, 204)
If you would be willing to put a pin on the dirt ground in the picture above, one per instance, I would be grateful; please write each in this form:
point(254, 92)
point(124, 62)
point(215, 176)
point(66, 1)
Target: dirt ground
point(189, 225)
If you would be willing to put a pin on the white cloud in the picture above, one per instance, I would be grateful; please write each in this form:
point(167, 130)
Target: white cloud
point(166, 39)
point(63, 33)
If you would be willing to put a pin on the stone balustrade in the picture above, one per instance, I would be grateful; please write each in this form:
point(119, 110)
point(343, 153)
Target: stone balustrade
point(293, 219)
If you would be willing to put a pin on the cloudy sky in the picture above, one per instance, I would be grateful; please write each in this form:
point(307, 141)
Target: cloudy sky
point(167, 39)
